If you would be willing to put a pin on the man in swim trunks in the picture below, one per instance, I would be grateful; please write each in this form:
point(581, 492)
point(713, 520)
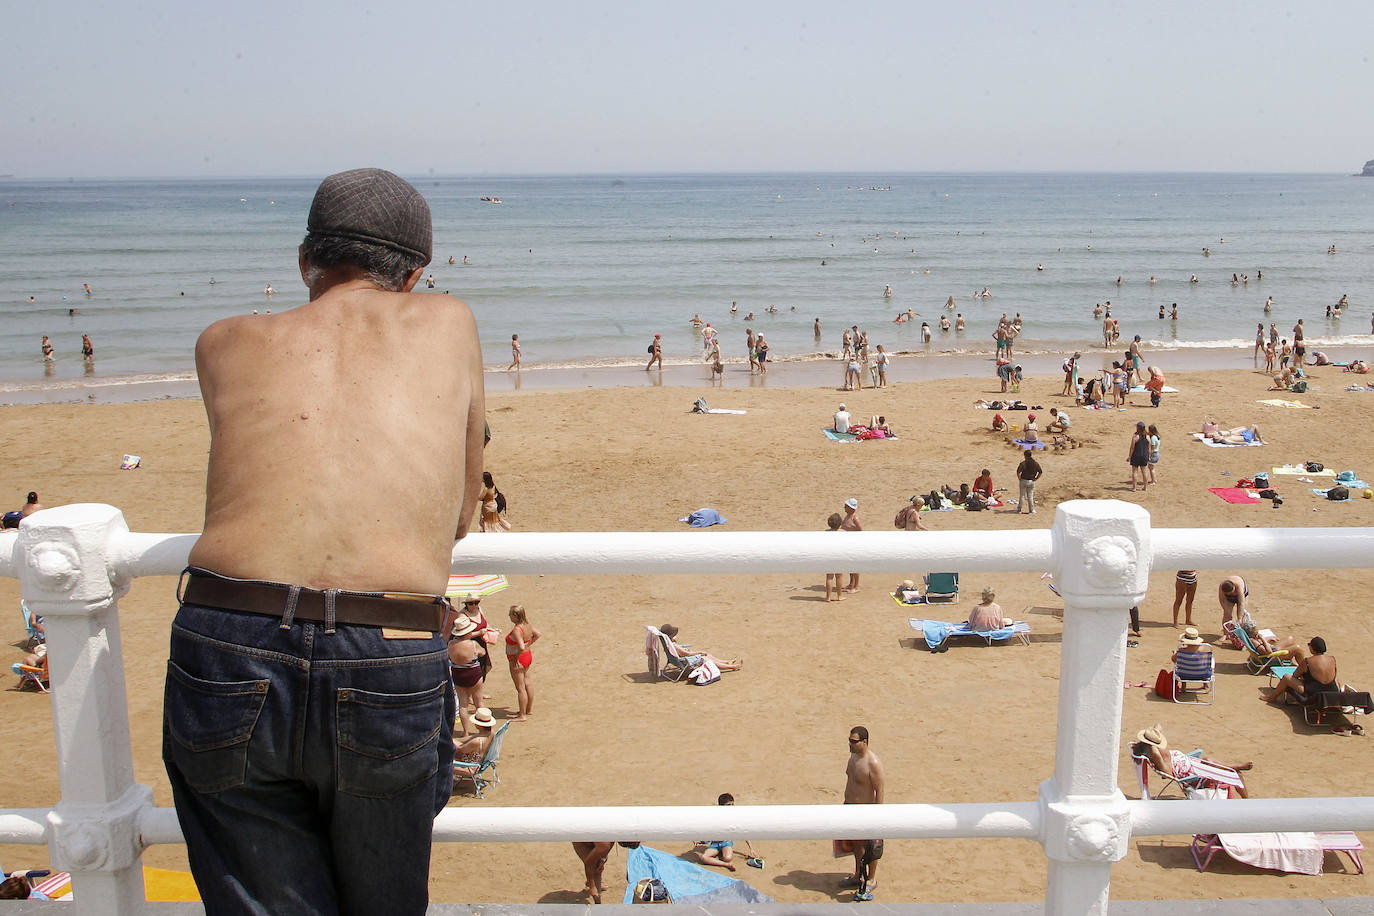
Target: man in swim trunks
point(864, 781)
point(1316, 672)
point(333, 626)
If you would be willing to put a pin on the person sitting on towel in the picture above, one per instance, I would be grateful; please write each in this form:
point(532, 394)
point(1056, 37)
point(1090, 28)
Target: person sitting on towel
point(1032, 431)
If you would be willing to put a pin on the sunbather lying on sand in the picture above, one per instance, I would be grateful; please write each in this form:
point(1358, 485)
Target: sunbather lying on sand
point(1240, 435)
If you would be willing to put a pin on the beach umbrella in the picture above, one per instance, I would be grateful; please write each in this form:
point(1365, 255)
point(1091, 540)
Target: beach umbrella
point(479, 585)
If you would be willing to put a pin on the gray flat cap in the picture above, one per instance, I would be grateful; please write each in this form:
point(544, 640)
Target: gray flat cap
point(375, 206)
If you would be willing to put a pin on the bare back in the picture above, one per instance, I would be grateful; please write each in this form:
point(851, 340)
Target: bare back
point(346, 440)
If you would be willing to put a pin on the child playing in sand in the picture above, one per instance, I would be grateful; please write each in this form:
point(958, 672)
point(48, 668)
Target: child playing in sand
point(722, 852)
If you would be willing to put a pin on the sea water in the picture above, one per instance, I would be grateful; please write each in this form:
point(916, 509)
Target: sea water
point(587, 269)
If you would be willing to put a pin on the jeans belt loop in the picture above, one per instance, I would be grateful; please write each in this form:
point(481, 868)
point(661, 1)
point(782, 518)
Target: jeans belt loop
point(181, 582)
point(330, 596)
point(293, 594)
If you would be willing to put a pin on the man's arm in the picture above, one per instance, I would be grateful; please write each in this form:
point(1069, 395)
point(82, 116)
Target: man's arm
point(476, 427)
point(878, 779)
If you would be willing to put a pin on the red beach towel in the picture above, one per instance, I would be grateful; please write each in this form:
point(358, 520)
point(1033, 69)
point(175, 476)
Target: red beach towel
point(1237, 495)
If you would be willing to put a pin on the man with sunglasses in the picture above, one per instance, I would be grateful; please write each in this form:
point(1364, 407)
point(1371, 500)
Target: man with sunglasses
point(863, 786)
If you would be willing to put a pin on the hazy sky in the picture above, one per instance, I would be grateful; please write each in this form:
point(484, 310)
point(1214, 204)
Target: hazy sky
point(306, 88)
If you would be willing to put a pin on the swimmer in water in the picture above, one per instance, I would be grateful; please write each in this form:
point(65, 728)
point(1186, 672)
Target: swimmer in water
point(1173, 312)
point(450, 259)
point(944, 323)
point(87, 348)
point(887, 292)
point(959, 322)
point(1269, 304)
point(47, 349)
point(89, 291)
point(925, 332)
point(818, 329)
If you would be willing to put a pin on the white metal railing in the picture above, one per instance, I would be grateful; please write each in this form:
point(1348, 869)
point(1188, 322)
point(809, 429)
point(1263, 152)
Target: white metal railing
point(75, 562)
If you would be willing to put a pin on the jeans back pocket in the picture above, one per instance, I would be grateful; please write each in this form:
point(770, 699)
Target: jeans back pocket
point(207, 726)
point(388, 742)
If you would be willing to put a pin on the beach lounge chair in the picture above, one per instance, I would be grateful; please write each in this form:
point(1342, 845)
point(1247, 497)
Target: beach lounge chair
point(474, 771)
point(28, 674)
point(937, 632)
point(1195, 675)
point(36, 636)
point(1323, 704)
point(942, 588)
point(1270, 663)
point(1289, 852)
point(1144, 766)
point(664, 658)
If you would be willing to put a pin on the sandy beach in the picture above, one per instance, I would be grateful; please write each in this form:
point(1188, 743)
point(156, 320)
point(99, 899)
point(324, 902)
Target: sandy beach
point(634, 458)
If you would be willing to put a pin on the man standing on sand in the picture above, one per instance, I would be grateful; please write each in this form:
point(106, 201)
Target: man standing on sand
point(307, 648)
point(863, 785)
point(655, 354)
point(1027, 473)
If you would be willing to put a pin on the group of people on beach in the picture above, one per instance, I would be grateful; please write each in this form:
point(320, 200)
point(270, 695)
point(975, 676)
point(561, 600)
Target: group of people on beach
point(50, 352)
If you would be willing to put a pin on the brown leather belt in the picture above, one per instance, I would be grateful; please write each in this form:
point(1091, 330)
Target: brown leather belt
point(374, 609)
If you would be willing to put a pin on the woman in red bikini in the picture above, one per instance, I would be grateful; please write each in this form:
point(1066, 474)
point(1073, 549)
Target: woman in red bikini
point(520, 658)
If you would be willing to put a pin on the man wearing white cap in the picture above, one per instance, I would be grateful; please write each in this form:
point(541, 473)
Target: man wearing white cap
point(841, 420)
point(851, 523)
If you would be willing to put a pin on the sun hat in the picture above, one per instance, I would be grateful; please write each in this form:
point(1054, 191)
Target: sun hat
point(1190, 637)
point(472, 598)
point(907, 583)
point(656, 336)
point(482, 718)
point(1153, 736)
point(841, 407)
point(463, 626)
point(373, 206)
point(668, 630)
point(851, 503)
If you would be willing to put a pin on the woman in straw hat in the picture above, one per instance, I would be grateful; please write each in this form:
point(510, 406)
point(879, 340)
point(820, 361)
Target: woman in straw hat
point(466, 649)
point(472, 748)
point(1152, 743)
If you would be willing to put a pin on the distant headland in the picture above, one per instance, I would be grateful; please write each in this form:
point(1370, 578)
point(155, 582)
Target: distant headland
point(1368, 169)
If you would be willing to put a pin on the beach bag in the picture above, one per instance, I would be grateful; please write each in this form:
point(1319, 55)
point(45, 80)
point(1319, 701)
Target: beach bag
point(974, 503)
point(1261, 481)
point(1299, 387)
point(705, 673)
point(651, 349)
point(651, 890)
point(1164, 684)
point(1346, 477)
point(1314, 467)
point(1268, 494)
point(1338, 493)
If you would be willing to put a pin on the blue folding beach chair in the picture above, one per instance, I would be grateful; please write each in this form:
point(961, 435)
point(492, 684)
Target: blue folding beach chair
point(474, 771)
point(35, 635)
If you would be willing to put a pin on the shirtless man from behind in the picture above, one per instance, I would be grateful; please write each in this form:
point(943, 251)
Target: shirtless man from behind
point(863, 785)
point(345, 450)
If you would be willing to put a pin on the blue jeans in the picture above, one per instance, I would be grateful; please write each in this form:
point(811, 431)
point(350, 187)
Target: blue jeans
point(307, 767)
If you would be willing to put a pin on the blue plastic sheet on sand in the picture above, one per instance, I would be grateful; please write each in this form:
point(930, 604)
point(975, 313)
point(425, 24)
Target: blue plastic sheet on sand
point(686, 883)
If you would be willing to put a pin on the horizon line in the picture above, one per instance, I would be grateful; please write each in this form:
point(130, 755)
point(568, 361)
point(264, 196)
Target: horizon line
point(291, 176)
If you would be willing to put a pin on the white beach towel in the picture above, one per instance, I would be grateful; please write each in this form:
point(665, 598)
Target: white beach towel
point(723, 410)
point(130, 462)
point(1287, 852)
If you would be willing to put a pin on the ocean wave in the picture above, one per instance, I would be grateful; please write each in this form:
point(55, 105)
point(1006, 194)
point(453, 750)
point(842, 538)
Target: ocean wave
point(85, 382)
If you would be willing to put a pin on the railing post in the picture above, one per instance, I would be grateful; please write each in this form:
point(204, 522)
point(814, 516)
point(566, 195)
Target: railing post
point(67, 576)
point(1102, 554)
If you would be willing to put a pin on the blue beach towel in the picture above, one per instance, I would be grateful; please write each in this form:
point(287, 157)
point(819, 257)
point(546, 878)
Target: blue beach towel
point(935, 632)
point(1322, 493)
point(686, 883)
point(838, 437)
point(703, 518)
point(1037, 445)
